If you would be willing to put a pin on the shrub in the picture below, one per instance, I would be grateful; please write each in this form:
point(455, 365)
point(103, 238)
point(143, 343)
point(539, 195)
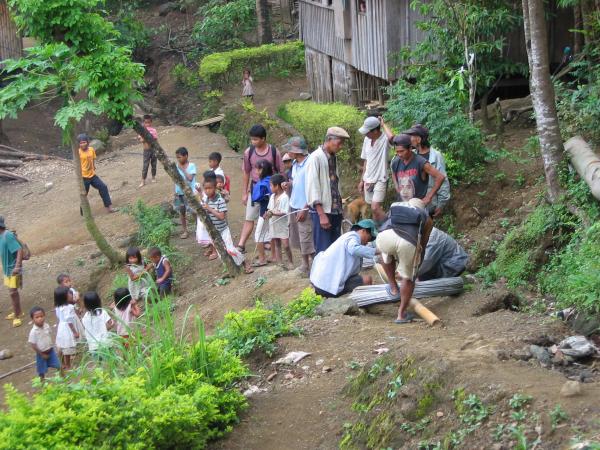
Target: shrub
point(185, 77)
point(218, 69)
point(304, 305)
point(312, 120)
point(438, 108)
point(238, 120)
point(154, 226)
point(224, 23)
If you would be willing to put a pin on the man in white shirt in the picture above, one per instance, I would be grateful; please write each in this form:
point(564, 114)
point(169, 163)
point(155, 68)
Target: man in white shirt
point(374, 172)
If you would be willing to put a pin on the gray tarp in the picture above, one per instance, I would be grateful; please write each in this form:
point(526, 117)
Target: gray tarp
point(444, 257)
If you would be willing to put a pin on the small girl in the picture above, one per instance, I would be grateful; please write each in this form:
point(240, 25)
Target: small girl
point(279, 221)
point(247, 86)
point(260, 194)
point(96, 322)
point(126, 310)
point(66, 334)
point(135, 270)
point(222, 188)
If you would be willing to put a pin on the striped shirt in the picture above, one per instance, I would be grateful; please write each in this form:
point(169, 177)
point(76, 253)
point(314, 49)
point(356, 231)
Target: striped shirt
point(218, 204)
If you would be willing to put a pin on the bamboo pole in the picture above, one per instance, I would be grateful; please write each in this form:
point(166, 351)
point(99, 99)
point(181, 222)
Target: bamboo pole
point(586, 163)
point(423, 312)
point(172, 171)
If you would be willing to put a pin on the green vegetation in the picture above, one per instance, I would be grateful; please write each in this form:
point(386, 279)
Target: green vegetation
point(218, 69)
point(155, 227)
point(438, 107)
point(312, 120)
point(224, 24)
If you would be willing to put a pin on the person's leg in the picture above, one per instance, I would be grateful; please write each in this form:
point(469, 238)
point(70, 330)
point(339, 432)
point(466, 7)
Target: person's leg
point(40, 365)
point(377, 200)
point(276, 249)
point(389, 268)
point(355, 281)
point(154, 163)
point(252, 213)
point(260, 249)
point(320, 236)
point(97, 183)
point(336, 227)
point(407, 288)
point(183, 217)
point(146, 163)
point(307, 247)
point(285, 243)
point(15, 298)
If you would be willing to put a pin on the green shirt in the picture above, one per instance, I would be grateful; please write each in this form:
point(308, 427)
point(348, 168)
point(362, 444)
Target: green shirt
point(9, 246)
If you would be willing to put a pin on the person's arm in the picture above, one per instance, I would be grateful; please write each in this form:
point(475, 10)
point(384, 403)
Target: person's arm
point(218, 214)
point(18, 262)
point(135, 309)
point(189, 174)
point(167, 274)
point(361, 183)
point(362, 251)
point(438, 177)
point(313, 191)
point(39, 352)
point(387, 130)
point(73, 330)
point(130, 274)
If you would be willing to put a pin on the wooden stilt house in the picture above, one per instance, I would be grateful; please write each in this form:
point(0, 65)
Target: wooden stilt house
point(352, 45)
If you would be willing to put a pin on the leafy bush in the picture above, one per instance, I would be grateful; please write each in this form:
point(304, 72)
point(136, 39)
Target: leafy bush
point(218, 69)
point(438, 108)
point(185, 77)
point(304, 305)
point(155, 226)
point(238, 120)
point(224, 23)
point(312, 120)
point(573, 275)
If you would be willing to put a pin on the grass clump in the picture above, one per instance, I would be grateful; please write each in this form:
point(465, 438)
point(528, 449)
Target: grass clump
point(312, 120)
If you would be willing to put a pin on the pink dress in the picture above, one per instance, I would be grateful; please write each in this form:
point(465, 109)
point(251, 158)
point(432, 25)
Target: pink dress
point(124, 319)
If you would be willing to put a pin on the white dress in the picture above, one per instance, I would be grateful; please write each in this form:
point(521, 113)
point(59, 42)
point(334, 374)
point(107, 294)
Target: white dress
point(279, 226)
point(96, 332)
point(138, 288)
point(65, 340)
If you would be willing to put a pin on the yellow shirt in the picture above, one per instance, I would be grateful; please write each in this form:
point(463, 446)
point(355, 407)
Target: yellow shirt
point(87, 162)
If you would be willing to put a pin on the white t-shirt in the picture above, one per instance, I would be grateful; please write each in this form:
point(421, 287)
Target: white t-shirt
point(218, 171)
point(41, 336)
point(376, 157)
point(96, 332)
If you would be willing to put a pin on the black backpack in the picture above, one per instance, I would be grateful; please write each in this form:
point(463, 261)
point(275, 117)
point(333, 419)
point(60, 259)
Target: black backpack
point(252, 149)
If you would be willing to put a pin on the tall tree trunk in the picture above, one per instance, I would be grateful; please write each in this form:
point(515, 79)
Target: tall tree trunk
point(172, 171)
point(586, 17)
point(263, 20)
point(542, 94)
point(3, 137)
point(103, 245)
point(578, 26)
point(11, 45)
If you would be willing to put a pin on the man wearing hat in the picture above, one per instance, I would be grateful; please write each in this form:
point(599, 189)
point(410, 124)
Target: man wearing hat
point(374, 171)
point(87, 157)
point(323, 191)
point(300, 224)
point(335, 271)
point(411, 172)
point(11, 253)
point(419, 135)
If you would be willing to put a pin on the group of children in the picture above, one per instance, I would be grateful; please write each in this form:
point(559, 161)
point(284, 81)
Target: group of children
point(84, 320)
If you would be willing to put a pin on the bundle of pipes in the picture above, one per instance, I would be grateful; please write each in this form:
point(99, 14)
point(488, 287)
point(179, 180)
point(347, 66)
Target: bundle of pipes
point(376, 294)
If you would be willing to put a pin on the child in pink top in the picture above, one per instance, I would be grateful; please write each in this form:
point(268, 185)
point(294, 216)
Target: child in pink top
point(126, 311)
point(149, 156)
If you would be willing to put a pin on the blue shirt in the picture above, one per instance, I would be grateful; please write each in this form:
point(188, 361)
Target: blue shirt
point(333, 267)
point(298, 197)
point(191, 170)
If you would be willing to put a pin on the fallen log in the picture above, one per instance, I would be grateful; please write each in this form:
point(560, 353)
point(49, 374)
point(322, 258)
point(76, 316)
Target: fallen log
point(11, 176)
point(586, 163)
point(25, 156)
point(10, 163)
point(9, 148)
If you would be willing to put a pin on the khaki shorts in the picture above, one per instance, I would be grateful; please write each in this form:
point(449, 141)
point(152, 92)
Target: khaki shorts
point(301, 234)
point(375, 194)
point(393, 247)
point(13, 281)
point(252, 211)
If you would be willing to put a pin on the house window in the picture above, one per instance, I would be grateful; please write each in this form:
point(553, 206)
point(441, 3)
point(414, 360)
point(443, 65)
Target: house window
point(361, 6)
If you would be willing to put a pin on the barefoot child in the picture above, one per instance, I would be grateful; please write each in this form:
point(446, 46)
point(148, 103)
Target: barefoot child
point(40, 338)
point(164, 271)
point(66, 333)
point(149, 156)
point(96, 322)
point(260, 195)
point(126, 311)
point(247, 85)
point(74, 298)
point(135, 270)
point(187, 170)
point(277, 212)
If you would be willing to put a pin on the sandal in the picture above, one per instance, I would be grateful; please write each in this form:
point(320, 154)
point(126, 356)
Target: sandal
point(208, 252)
point(408, 318)
point(392, 297)
point(241, 249)
point(260, 264)
point(12, 316)
point(17, 323)
point(248, 270)
point(213, 256)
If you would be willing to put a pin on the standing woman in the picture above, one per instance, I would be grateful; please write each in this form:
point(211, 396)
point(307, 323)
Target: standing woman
point(247, 85)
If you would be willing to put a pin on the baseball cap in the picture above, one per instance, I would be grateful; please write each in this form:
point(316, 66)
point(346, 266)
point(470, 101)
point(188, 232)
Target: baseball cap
point(418, 130)
point(296, 144)
point(338, 132)
point(366, 224)
point(402, 140)
point(369, 124)
point(286, 157)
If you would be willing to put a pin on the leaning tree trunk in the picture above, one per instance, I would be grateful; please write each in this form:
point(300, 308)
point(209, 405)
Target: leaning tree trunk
point(172, 171)
point(90, 223)
point(542, 94)
point(263, 20)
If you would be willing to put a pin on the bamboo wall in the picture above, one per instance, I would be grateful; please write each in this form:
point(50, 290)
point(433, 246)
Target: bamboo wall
point(317, 29)
point(11, 45)
point(318, 73)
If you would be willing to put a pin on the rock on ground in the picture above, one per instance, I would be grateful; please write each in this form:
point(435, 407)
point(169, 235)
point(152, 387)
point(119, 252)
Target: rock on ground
point(570, 389)
point(341, 305)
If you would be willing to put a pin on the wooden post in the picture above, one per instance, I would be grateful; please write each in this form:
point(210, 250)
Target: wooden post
point(172, 171)
point(11, 45)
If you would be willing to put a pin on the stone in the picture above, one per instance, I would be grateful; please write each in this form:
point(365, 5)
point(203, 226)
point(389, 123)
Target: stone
point(326, 369)
point(341, 305)
point(271, 376)
point(127, 241)
point(292, 358)
point(570, 389)
point(319, 362)
point(439, 414)
point(166, 8)
point(541, 354)
point(252, 390)
point(304, 96)
point(5, 354)
point(522, 354)
point(98, 146)
point(584, 324)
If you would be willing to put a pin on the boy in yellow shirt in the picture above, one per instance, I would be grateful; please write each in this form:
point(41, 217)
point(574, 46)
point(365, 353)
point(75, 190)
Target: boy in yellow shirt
point(87, 156)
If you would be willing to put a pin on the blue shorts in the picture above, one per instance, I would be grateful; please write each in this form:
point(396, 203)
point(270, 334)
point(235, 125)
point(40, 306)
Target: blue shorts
point(43, 364)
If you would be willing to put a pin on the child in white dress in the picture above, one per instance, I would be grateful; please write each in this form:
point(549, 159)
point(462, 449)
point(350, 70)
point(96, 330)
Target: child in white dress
point(74, 298)
point(279, 221)
point(96, 322)
point(66, 334)
point(135, 270)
